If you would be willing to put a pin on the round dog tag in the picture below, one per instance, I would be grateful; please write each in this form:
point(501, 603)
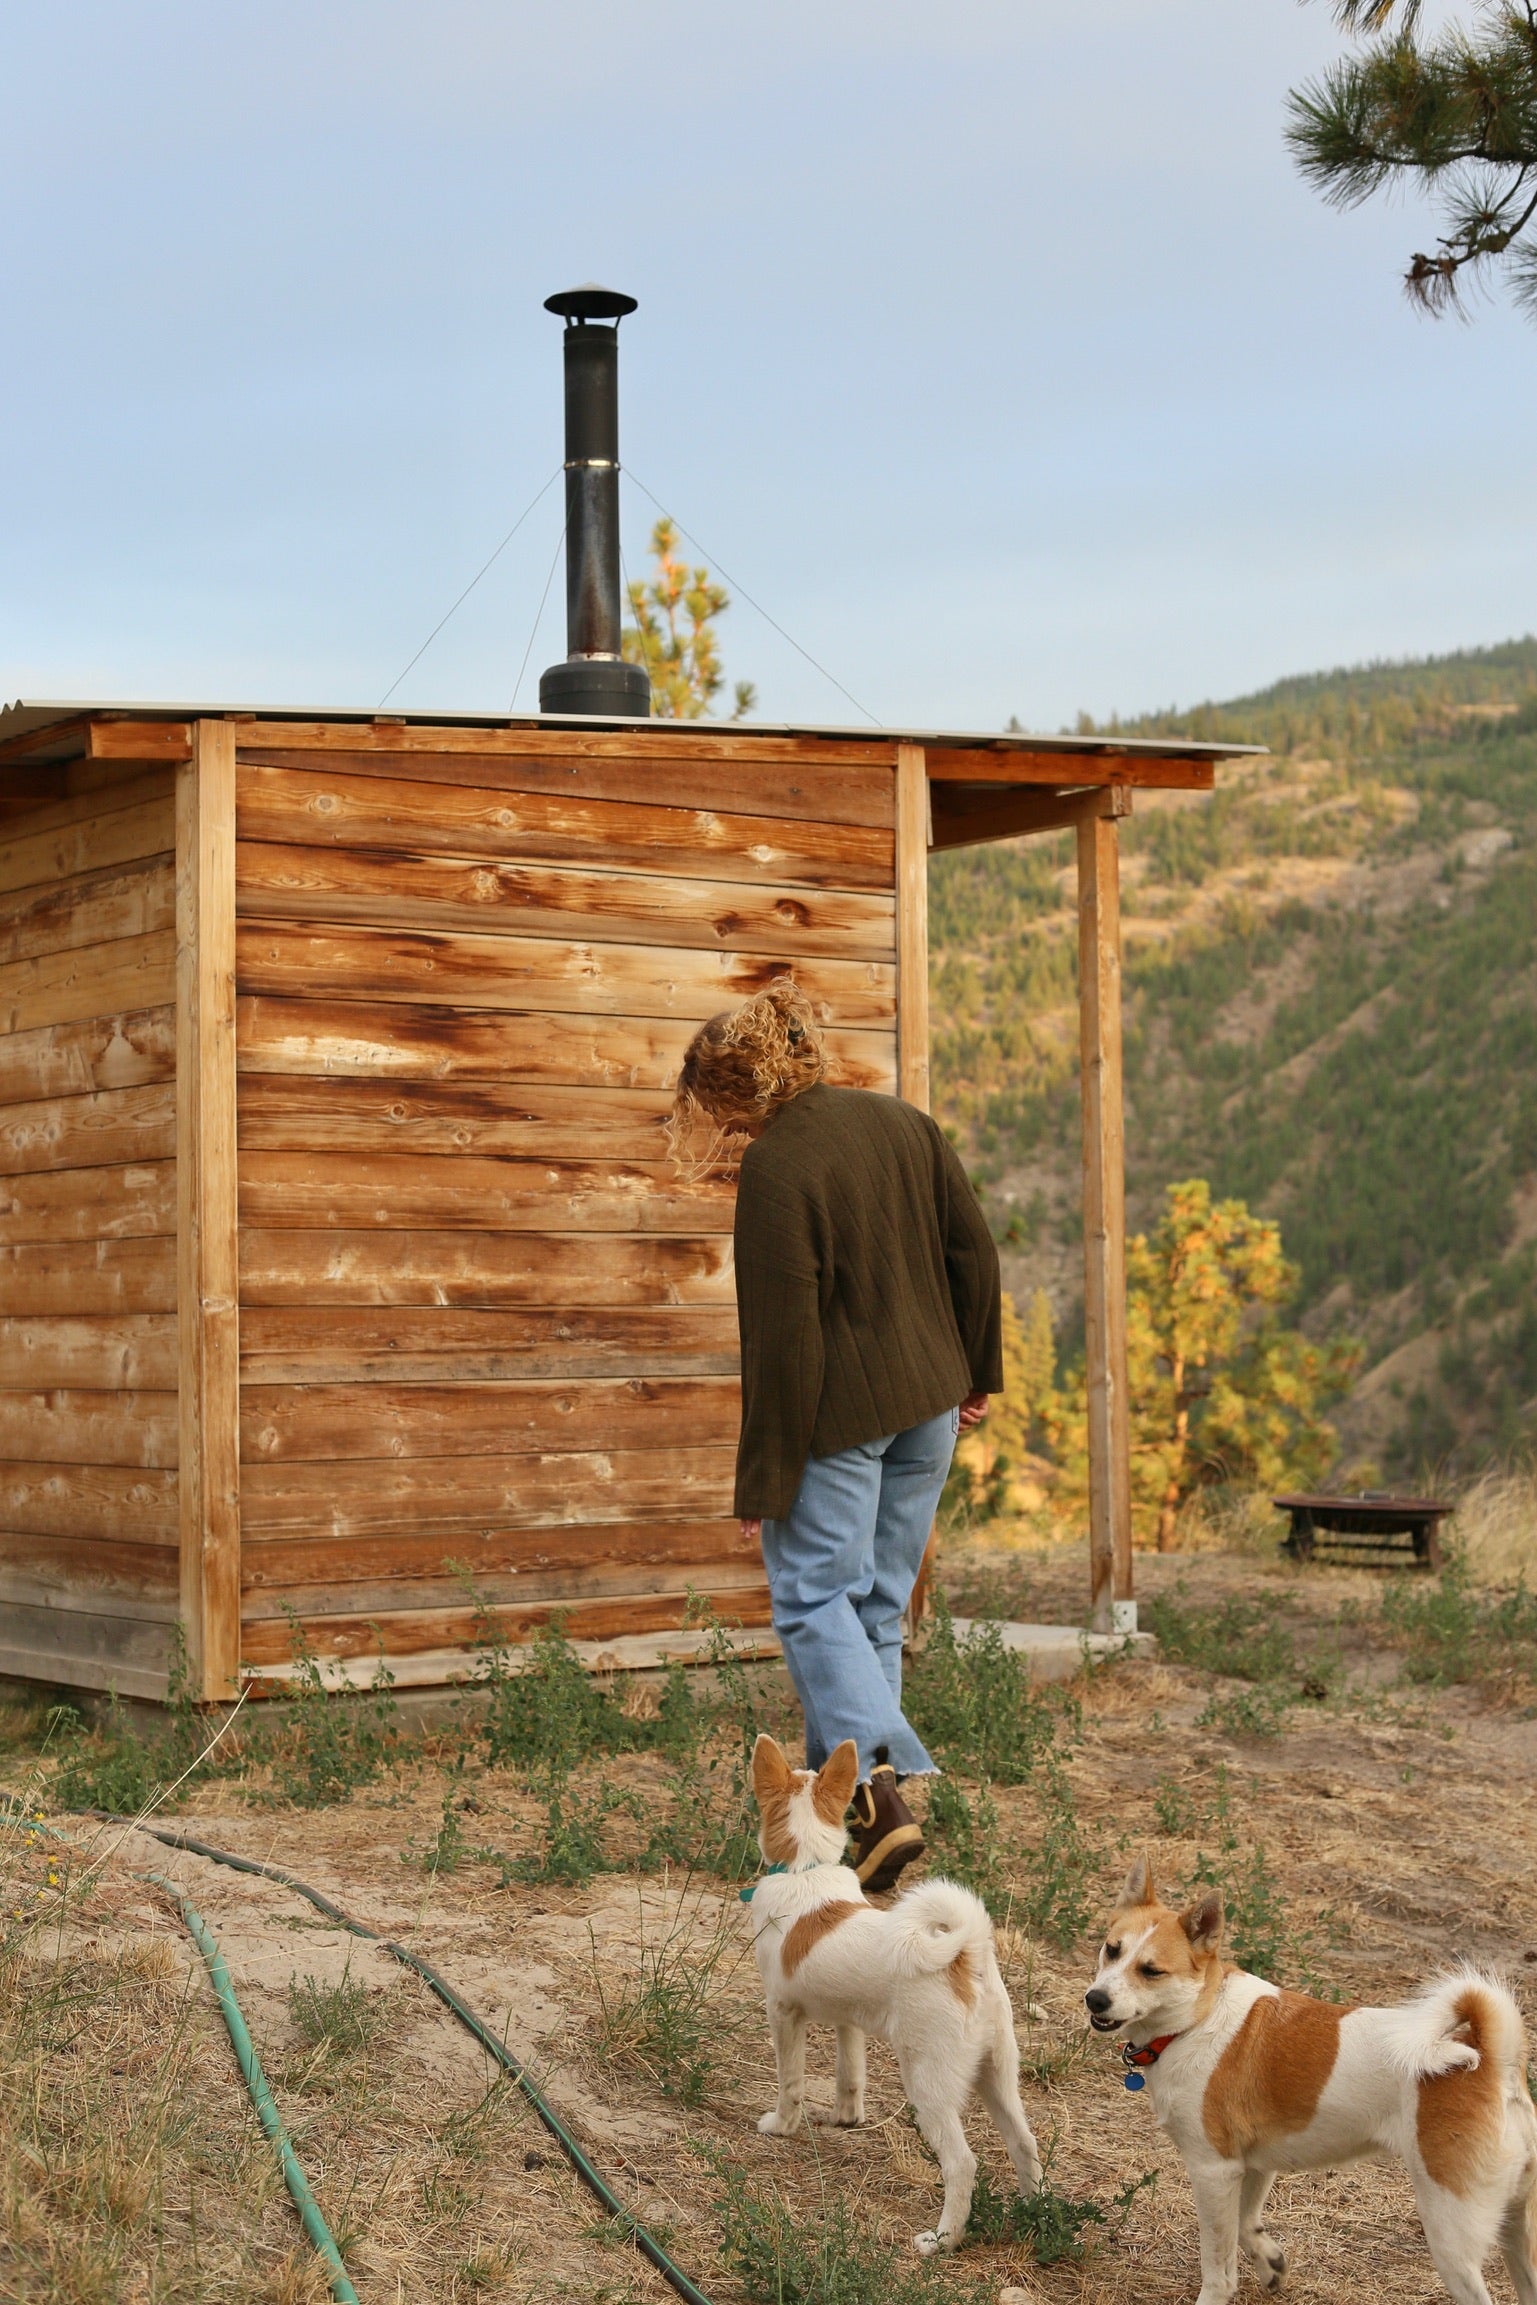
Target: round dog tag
point(1136, 2081)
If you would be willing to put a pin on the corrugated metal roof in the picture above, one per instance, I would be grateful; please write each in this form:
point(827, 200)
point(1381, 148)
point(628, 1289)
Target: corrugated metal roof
point(24, 717)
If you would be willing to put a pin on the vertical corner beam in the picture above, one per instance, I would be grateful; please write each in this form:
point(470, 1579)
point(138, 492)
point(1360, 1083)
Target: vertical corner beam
point(1104, 1216)
point(912, 875)
point(207, 1244)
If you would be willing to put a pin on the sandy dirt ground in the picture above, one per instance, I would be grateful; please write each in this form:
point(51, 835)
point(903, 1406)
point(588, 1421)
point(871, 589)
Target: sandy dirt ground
point(1399, 1826)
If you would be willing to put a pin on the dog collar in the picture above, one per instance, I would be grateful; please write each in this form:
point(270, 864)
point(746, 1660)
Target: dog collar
point(746, 1895)
point(1147, 2055)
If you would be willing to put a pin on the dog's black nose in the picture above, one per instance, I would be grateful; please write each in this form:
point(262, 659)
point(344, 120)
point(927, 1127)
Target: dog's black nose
point(1097, 2000)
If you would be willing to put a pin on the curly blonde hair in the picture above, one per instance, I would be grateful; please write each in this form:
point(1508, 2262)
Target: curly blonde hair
point(738, 1070)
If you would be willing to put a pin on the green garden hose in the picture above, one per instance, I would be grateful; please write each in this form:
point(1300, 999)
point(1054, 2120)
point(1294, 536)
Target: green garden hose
point(261, 2096)
point(251, 2072)
point(645, 2242)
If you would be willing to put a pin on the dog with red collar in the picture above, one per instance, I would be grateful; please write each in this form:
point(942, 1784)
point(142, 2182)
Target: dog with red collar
point(1249, 2081)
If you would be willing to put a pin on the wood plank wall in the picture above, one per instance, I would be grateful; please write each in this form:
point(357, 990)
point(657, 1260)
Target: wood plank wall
point(88, 1424)
point(485, 1329)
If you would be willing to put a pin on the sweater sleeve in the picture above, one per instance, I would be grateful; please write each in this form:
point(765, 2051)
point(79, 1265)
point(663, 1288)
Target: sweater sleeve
point(971, 1266)
point(779, 1319)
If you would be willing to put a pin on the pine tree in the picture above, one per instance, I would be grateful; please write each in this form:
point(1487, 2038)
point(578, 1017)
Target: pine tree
point(674, 636)
point(1455, 115)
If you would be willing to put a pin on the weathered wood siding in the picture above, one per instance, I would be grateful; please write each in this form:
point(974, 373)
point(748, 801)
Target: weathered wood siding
point(88, 1367)
point(486, 1333)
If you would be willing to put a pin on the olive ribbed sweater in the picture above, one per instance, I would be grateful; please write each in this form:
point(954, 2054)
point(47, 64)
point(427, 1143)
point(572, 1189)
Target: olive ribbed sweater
point(867, 1286)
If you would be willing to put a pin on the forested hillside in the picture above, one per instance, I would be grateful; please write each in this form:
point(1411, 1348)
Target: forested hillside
point(1331, 1011)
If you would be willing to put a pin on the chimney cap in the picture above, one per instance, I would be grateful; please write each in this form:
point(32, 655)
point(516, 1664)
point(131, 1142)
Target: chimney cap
point(590, 302)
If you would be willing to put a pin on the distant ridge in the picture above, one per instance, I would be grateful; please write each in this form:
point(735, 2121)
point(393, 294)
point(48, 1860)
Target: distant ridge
point(1331, 1010)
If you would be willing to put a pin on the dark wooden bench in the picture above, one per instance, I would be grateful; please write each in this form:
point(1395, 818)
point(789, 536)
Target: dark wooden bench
point(1373, 1521)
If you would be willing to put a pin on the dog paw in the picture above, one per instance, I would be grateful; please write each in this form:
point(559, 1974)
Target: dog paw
point(770, 2125)
point(927, 2244)
point(846, 2117)
point(1269, 2259)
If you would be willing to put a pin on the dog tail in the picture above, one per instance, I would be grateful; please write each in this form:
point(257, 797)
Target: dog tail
point(1464, 2020)
point(939, 1925)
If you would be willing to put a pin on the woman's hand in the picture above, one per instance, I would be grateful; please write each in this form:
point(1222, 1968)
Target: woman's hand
point(972, 1410)
point(752, 1531)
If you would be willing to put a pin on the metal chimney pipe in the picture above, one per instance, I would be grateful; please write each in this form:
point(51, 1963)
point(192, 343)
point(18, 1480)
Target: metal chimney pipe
point(594, 680)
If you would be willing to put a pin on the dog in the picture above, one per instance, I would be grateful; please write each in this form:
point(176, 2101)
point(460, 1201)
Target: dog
point(1250, 2081)
point(923, 1975)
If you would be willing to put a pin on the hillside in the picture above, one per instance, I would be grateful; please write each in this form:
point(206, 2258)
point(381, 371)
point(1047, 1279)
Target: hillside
point(1331, 1010)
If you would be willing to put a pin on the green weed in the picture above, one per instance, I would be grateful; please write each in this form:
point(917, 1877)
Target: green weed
point(1052, 2224)
point(342, 2019)
point(1241, 1639)
point(972, 1703)
point(1053, 1900)
point(334, 1739)
point(663, 2021)
point(964, 1836)
point(1251, 1712)
point(448, 1848)
point(546, 1710)
point(573, 1848)
point(831, 2258)
point(1451, 1632)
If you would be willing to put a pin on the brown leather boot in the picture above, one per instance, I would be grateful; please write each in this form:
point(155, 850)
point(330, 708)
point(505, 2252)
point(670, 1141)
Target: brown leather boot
point(886, 1834)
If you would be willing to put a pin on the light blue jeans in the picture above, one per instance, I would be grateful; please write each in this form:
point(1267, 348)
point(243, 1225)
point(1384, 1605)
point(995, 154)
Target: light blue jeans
point(841, 1569)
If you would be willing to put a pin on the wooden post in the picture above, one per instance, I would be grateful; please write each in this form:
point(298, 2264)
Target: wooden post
point(913, 925)
point(1104, 1218)
point(207, 1240)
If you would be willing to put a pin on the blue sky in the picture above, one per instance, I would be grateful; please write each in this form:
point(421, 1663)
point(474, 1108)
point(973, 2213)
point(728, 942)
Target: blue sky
point(995, 348)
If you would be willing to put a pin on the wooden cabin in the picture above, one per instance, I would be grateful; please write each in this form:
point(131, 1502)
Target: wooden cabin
point(341, 1267)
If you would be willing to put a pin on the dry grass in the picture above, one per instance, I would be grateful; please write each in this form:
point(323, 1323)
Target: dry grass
point(1495, 1528)
point(1398, 1830)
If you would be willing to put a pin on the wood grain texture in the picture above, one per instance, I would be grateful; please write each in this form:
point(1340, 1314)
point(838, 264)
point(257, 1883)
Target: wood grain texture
point(421, 1041)
point(97, 908)
point(286, 1113)
point(1104, 1217)
point(90, 1428)
point(89, 1204)
point(113, 1126)
point(89, 1276)
point(950, 764)
point(403, 1193)
point(357, 1345)
point(95, 981)
point(913, 925)
point(965, 815)
point(406, 890)
point(136, 1581)
point(455, 1495)
point(619, 1581)
point(816, 793)
point(291, 960)
point(316, 807)
point(207, 1227)
point(272, 1566)
point(118, 1351)
point(648, 747)
point(290, 1424)
point(115, 740)
point(78, 1649)
point(91, 844)
point(62, 811)
point(308, 1269)
point(108, 1503)
point(124, 1051)
point(405, 1633)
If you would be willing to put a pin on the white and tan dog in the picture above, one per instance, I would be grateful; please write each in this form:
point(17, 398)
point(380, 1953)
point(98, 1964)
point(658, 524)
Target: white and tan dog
point(1250, 2081)
point(923, 1975)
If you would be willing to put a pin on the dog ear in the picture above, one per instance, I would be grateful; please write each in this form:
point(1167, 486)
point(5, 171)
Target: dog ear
point(770, 1769)
point(1202, 1924)
point(836, 1779)
point(1139, 1888)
